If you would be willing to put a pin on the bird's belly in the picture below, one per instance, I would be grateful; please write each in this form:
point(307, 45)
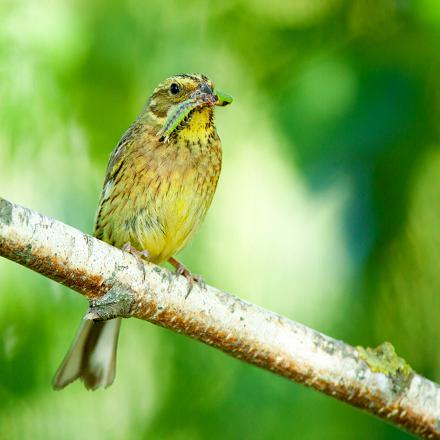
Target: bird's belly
point(166, 225)
point(177, 222)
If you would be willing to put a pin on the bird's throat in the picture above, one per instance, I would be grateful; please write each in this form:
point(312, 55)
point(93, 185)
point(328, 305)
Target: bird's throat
point(200, 127)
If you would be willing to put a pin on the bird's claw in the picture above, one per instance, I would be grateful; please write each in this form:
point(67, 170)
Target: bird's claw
point(139, 255)
point(191, 278)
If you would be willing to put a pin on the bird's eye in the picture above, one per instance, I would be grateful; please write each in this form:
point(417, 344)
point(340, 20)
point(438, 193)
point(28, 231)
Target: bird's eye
point(174, 89)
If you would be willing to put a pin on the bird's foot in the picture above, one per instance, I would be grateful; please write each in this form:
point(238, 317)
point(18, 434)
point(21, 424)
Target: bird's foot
point(192, 279)
point(139, 255)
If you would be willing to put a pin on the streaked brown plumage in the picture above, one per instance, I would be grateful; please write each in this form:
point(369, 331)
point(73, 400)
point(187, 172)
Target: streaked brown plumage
point(156, 193)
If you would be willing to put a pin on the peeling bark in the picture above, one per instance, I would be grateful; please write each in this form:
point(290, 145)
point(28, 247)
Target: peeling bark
point(377, 381)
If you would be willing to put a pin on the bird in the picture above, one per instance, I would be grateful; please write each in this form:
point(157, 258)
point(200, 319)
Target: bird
point(159, 184)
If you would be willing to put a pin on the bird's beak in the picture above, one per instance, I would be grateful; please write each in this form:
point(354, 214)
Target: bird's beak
point(217, 98)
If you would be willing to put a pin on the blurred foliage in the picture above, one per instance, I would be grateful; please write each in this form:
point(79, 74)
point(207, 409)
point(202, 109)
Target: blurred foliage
point(326, 210)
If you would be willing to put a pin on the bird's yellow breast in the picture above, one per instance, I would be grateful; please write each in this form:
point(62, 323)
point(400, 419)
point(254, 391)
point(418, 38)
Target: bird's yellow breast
point(161, 195)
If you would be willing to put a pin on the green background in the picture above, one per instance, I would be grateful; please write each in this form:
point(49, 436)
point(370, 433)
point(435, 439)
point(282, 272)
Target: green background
point(327, 207)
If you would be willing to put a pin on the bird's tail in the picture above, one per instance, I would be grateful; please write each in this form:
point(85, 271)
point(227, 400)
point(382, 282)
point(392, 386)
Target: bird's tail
point(92, 356)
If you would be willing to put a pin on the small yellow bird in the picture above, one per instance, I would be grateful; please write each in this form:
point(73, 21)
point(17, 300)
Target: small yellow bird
point(160, 181)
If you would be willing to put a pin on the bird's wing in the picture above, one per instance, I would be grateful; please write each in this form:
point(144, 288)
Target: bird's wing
point(115, 165)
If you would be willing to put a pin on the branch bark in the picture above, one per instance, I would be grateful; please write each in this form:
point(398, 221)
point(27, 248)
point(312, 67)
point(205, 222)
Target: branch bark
point(377, 381)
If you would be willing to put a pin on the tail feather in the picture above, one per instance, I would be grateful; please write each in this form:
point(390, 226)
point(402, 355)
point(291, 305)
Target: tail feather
point(92, 356)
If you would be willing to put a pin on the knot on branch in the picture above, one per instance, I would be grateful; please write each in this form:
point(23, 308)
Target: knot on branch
point(116, 303)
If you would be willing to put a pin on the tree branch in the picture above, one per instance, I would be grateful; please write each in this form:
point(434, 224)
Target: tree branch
point(376, 381)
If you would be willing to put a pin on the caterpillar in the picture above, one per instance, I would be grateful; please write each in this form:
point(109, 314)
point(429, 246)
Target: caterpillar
point(179, 113)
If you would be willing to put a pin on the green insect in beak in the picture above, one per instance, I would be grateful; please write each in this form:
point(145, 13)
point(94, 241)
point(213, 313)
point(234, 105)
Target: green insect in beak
point(223, 99)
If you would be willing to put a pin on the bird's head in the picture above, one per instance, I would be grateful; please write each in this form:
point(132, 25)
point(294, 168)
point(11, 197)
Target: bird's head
point(184, 103)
